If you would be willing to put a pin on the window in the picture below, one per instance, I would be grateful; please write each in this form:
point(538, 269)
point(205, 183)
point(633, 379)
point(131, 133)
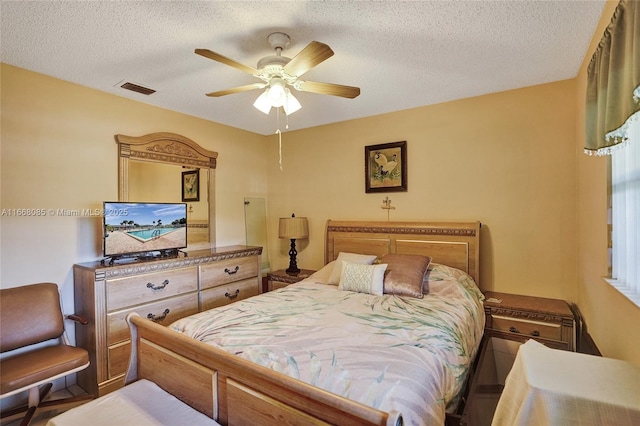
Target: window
point(624, 195)
point(612, 128)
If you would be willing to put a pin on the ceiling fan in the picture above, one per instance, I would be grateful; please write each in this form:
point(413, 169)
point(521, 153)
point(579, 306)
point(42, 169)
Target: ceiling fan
point(278, 73)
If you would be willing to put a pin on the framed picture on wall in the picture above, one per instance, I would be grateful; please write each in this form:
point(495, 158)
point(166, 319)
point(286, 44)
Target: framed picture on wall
point(385, 167)
point(191, 185)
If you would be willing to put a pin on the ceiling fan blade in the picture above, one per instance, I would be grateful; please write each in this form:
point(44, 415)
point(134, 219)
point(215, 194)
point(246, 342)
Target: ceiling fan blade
point(329, 89)
point(227, 61)
point(313, 54)
point(238, 89)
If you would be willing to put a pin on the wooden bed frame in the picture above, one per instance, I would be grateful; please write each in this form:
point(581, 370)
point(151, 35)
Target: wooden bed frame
point(234, 391)
point(452, 244)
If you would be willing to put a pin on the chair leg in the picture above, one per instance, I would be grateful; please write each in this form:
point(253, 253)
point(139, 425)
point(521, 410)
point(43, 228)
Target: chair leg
point(64, 402)
point(27, 417)
point(37, 404)
point(35, 397)
point(13, 414)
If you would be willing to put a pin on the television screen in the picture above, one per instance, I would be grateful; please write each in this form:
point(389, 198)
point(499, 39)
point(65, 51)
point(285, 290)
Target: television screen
point(136, 228)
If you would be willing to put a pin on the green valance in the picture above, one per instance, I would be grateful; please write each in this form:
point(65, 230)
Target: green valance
point(613, 81)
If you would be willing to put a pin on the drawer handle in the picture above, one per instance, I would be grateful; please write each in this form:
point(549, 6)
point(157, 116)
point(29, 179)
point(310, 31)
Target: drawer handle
point(160, 287)
point(230, 272)
point(535, 333)
point(160, 317)
point(513, 330)
point(232, 296)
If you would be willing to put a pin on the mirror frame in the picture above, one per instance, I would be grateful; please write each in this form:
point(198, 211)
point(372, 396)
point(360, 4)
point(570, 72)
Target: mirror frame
point(167, 148)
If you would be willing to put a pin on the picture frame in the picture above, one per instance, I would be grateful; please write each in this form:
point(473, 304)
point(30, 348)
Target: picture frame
point(191, 185)
point(385, 167)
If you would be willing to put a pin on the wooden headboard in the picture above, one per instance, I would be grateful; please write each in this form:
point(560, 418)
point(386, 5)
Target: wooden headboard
point(455, 244)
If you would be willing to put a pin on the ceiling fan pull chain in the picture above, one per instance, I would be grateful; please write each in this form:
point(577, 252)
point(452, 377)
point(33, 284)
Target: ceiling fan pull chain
point(279, 136)
point(279, 133)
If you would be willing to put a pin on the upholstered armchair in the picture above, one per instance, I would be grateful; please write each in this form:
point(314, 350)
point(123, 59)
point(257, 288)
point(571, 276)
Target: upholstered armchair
point(35, 349)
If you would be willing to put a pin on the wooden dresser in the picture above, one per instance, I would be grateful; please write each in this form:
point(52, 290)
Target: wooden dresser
point(162, 290)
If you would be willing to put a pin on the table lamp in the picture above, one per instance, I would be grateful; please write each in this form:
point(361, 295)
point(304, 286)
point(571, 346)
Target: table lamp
point(293, 228)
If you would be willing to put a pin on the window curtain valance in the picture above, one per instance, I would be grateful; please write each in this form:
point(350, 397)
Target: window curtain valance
point(613, 81)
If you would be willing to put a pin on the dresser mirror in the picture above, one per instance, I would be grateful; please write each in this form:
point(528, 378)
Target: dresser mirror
point(255, 220)
point(151, 167)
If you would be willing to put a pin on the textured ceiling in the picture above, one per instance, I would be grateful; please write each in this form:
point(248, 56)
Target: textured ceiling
point(401, 54)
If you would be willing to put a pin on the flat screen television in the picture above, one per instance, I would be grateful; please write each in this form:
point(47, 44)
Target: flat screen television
point(139, 230)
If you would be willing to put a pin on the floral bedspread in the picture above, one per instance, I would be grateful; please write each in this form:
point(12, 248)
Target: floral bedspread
point(390, 352)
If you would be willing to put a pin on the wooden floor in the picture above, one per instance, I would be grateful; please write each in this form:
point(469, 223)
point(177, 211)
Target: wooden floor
point(41, 419)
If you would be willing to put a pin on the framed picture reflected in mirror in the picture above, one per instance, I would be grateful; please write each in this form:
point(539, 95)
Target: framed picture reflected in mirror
point(191, 185)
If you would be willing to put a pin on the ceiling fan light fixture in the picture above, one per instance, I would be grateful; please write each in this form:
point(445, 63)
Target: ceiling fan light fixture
point(262, 103)
point(276, 93)
point(277, 72)
point(291, 104)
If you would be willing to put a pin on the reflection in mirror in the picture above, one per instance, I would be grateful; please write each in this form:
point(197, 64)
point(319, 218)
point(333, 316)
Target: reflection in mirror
point(150, 169)
point(158, 182)
point(255, 219)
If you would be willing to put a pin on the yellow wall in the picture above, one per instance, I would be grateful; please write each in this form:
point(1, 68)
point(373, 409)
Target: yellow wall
point(59, 152)
point(506, 159)
point(512, 160)
point(159, 182)
point(613, 320)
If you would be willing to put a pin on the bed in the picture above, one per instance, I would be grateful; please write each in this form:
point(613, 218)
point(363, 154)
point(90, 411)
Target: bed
point(327, 352)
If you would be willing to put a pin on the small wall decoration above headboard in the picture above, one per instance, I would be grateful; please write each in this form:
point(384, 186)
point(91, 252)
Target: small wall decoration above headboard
point(385, 167)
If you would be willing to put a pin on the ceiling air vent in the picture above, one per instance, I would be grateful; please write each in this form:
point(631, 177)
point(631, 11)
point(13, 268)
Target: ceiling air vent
point(137, 88)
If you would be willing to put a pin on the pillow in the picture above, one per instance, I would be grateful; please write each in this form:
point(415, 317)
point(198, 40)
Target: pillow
point(406, 274)
point(322, 276)
point(362, 278)
point(363, 259)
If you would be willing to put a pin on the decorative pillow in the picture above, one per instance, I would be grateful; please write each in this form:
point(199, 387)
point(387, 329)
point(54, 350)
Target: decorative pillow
point(362, 278)
point(406, 274)
point(363, 259)
point(322, 276)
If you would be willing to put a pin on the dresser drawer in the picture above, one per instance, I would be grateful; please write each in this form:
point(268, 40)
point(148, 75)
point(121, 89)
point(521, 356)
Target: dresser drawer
point(118, 358)
point(125, 292)
point(225, 294)
point(163, 312)
point(545, 330)
point(227, 271)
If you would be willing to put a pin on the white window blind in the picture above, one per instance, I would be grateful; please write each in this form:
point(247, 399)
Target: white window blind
point(625, 207)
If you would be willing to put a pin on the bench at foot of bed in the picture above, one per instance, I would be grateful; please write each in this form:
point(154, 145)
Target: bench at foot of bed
point(141, 403)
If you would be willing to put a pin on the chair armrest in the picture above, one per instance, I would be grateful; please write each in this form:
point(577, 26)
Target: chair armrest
point(77, 318)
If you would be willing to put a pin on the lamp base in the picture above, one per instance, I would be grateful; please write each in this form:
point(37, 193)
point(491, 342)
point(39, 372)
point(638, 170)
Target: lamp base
point(293, 272)
point(293, 266)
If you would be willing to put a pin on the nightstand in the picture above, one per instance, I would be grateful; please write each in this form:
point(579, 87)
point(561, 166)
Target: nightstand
point(520, 318)
point(279, 278)
point(511, 320)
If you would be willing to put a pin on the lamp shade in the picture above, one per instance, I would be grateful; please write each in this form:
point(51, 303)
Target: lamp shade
point(262, 103)
point(277, 96)
point(293, 228)
point(291, 104)
point(276, 93)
